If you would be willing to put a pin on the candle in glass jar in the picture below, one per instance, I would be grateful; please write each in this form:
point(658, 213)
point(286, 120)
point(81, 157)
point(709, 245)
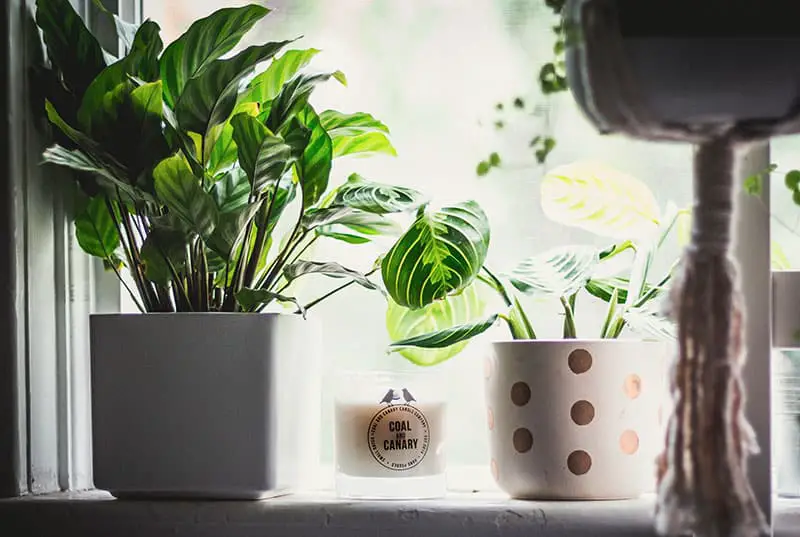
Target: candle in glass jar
point(390, 430)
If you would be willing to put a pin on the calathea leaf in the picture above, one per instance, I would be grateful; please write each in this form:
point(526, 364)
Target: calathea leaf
point(266, 86)
point(403, 323)
point(232, 191)
point(594, 197)
point(441, 253)
point(250, 298)
point(377, 198)
point(561, 271)
point(314, 167)
point(95, 230)
point(126, 31)
point(230, 229)
point(333, 270)
point(70, 45)
point(293, 98)
point(648, 323)
point(205, 41)
point(358, 133)
point(224, 152)
point(141, 62)
point(447, 337)
point(163, 251)
point(181, 192)
point(263, 156)
point(210, 96)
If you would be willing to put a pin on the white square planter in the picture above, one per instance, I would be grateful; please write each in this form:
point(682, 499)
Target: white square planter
point(220, 406)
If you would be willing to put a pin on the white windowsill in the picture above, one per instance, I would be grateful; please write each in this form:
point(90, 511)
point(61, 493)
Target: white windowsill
point(97, 514)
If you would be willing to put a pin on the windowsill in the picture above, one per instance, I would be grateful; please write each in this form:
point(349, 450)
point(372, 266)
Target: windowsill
point(94, 513)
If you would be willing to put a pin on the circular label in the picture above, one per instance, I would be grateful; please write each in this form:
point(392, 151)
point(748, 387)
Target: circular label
point(399, 437)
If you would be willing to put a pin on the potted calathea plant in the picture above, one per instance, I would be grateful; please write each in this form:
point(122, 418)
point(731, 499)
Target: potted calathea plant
point(565, 414)
point(205, 175)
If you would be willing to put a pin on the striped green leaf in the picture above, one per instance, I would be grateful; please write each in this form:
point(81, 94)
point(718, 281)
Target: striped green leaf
point(599, 199)
point(330, 269)
point(224, 152)
point(648, 323)
point(346, 216)
point(70, 45)
point(293, 98)
point(181, 192)
point(403, 323)
point(441, 253)
point(267, 85)
point(95, 230)
point(447, 337)
point(250, 298)
point(141, 62)
point(377, 198)
point(358, 133)
point(561, 271)
point(314, 167)
point(232, 191)
point(263, 156)
point(230, 229)
point(210, 96)
point(205, 41)
point(163, 251)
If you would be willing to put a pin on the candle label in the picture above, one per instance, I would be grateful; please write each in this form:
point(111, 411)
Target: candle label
point(398, 434)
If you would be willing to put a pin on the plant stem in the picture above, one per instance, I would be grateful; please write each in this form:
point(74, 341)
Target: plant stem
point(498, 286)
point(334, 291)
point(569, 319)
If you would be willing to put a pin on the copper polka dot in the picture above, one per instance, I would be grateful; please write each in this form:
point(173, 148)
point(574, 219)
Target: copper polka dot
point(629, 442)
point(490, 418)
point(495, 470)
point(488, 367)
point(523, 440)
point(579, 462)
point(633, 386)
point(520, 393)
point(582, 413)
point(580, 361)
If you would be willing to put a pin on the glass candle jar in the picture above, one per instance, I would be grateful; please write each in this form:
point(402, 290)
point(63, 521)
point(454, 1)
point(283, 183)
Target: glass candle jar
point(390, 435)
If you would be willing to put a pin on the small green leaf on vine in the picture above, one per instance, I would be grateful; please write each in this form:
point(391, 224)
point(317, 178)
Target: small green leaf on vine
point(499, 124)
point(483, 168)
point(499, 107)
point(519, 103)
point(494, 159)
point(793, 180)
point(544, 146)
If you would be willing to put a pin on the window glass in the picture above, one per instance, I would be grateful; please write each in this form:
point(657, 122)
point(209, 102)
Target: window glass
point(434, 71)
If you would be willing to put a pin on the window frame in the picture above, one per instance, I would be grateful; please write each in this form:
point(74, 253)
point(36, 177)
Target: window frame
point(45, 439)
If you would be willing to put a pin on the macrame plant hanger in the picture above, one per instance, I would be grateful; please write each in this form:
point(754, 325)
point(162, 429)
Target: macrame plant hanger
point(703, 488)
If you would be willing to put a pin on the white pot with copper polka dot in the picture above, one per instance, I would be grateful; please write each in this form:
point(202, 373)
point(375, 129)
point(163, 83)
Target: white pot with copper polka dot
point(576, 419)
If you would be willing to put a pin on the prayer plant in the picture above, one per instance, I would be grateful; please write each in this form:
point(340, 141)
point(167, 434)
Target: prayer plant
point(207, 173)
point(584, 195)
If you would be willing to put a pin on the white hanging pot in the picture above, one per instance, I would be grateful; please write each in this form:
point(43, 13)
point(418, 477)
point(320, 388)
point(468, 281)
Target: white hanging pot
point(576, 419)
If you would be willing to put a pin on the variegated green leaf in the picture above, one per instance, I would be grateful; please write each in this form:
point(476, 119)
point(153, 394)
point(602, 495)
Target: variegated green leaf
point(141, 62)
point(230, 229)
point(250, 298)
point(232, 191)
point(441, 253)
point(95, 230)
point(224, 153)
point(314, 167)
point(330, 269)
point(447, 337)
point(559, 272)
point(378, 198)
point(267, 85)
point(358, 133)
point(263, 156)
point(182, 194)
point(70, 45)
point(293, 98)
point(402, 323)
point(649, 323)
point(599, 199)
point(348, 216)
point(205, 41)
point(210, 96)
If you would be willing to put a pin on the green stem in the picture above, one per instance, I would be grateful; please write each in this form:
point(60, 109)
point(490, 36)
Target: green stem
point(649, 295)
point(569, 319)
point(498, 286)
point(334, 291)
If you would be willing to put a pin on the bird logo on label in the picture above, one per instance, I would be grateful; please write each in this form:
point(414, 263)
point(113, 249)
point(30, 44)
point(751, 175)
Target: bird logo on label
point(393, 396)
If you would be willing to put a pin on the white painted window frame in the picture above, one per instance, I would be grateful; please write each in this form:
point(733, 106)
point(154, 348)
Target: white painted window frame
point(50, 287)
